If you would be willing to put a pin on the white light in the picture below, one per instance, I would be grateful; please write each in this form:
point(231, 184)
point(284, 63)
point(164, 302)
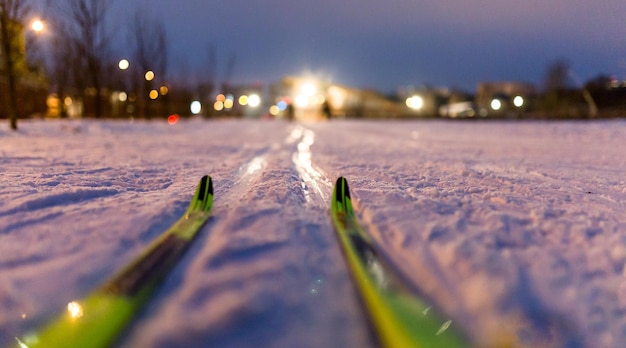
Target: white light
point(37, 26)
point(149, 75)
point(415, 102)
point(308, 89)
point(123, 96)
point(496, 104)
point(123, 64)
point(195, 107)
point(254, 100)
point(301, 101)
point(518, 101)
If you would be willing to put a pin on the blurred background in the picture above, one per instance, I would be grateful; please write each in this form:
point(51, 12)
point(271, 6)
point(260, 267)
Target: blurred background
point(310, 61)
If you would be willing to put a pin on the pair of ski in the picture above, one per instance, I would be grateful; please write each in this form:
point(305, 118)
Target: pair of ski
point(399, 319)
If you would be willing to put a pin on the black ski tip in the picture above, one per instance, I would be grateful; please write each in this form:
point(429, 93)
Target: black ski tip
point(203, 191)
point(342, 189)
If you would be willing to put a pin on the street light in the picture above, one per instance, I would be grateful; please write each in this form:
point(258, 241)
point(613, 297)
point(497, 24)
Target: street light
point(149, 75)
point(123, 64)
point(37, 26)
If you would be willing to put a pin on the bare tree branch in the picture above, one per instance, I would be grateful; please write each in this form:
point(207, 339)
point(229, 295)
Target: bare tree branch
point(87, 33)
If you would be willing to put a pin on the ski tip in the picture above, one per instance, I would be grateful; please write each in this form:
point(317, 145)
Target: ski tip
point(341, 196)
point(341, 189)
point(203, 199)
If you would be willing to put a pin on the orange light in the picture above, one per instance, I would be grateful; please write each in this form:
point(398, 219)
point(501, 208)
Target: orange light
point(172, 119)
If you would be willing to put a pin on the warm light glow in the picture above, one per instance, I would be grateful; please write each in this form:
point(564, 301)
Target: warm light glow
point(243, 100)
point(75, 309)
point(195, 107)
point(123, 96)
point(274, 110)
point(301, 101)
point(218, 105)
point(123, 64)
point(172, 119)
point(37, 26)
point(149, 75)
point(164, 90)
point(220, 97)
point(496, 104)
point(254, 100)
point(67, 101)
point(415, 102)
point(308, 89)
point(154, 94)
point(228, 103)
point(518, 101)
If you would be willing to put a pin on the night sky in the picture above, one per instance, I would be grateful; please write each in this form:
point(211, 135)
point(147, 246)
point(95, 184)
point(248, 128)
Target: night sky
point(387, 44)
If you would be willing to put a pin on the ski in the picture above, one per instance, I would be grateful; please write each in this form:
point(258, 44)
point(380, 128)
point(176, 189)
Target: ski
point(98, 319)
point(398, 317)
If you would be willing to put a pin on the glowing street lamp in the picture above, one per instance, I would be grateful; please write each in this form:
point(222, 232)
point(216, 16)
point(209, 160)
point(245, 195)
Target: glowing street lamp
point(37, 26)
point(123, 64)
point(415, 102)
point(254, 100)
point(496, 104)
point(149, 75)
point(195, 107)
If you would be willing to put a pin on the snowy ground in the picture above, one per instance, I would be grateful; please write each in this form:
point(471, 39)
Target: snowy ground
point(516, 230)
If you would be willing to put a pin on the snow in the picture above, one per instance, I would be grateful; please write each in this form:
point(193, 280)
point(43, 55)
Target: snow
point(516, 230)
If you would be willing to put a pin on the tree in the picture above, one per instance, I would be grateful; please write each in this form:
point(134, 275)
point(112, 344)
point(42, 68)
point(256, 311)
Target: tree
point(12, 13)
point(557, 75)
point(61, 65)
point(86, 30)
point(149, 40)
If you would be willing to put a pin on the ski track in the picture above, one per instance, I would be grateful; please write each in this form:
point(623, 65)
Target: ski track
point(514, 230)
point(257, 217)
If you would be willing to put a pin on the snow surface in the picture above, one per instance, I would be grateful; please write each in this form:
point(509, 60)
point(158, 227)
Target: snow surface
point(516, 230)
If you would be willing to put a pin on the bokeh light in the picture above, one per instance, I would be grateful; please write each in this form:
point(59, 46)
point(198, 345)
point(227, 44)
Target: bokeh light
point(228, 103)
point(415, 102)
point(123, 64)
point(37, 26)
point(243, 100)
point(195, 107)
point(518, 101)
point(154, 94)
point(172, 119)
point(496, 104)
point(149, 75)
point(274, 110)
point(282, 105)
point(254, 100)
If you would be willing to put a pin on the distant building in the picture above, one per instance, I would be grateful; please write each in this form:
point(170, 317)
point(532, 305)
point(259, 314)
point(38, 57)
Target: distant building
point(310, 98)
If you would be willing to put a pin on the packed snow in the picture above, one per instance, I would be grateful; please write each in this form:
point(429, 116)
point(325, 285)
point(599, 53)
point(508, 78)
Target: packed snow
point(516, 231)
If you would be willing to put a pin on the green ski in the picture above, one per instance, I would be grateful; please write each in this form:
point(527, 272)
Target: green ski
point(98, 319)
point(398, 317)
